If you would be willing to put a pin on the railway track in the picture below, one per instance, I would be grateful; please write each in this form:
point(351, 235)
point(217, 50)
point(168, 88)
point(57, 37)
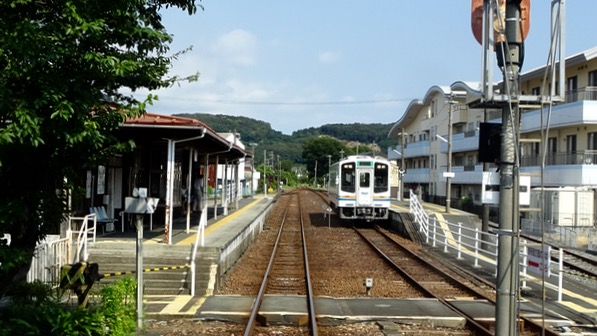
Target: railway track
point(438, 280)
point(287, 272)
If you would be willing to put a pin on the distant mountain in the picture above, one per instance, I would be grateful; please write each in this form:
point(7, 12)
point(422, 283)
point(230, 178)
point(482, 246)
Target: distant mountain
point(289, 147)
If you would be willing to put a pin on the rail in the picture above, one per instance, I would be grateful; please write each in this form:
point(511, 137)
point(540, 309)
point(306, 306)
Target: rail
point(266, 277)
point(422, 286)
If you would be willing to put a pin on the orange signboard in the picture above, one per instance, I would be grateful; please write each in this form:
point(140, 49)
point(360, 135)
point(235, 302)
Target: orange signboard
point(499, 18)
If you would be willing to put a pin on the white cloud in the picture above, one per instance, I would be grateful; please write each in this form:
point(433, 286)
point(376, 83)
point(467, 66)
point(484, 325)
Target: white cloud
point(237, 46)
point(329, 57)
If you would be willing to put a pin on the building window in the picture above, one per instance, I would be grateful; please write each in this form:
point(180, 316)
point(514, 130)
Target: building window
point(552, 148)
point(571, 144)
point(592, 78)
point(571, 149)
point(536, 91)
point(592, 141)
point(592, 86)
point(572, 89)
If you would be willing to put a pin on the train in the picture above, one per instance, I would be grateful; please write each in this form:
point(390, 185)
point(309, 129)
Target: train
point(359, 187)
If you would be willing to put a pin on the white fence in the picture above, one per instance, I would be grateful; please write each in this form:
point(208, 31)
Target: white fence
point(54, 252)
point(471, 243)
point(48, 259)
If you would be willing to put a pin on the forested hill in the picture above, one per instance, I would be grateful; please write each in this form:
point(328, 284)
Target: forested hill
point(290, 146)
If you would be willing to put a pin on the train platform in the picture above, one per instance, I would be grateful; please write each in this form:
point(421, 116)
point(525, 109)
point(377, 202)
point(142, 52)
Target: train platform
point(234, 221)
point(222, 230)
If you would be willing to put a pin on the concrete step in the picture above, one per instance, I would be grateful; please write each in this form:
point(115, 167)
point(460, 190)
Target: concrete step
point(114, 257)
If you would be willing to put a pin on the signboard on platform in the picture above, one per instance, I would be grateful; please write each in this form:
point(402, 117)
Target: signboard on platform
point(538, 259)
point(490, 189)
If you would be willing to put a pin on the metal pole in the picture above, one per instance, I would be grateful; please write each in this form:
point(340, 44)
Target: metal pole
point(402, 164)
point(329, 166)
point(139, 225)
point(449, 169)
point(315, 182)
point(509, 57)
point(485, 213)
point(252, 167)
point(264, 164)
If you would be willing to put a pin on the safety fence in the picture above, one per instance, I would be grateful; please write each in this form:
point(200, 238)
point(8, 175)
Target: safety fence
point(54, 252)
point(481, 248)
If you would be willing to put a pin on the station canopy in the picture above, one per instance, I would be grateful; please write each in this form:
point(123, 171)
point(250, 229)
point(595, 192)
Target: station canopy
point(187, 132)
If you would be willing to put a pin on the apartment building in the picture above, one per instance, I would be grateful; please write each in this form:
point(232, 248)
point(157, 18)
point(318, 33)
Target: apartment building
point(443, 123)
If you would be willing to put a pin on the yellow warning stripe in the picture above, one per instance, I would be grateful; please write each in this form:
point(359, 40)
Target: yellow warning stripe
point(145, 270)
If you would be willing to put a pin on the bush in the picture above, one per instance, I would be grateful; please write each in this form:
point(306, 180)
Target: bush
point(119, 306)
point(36, 313)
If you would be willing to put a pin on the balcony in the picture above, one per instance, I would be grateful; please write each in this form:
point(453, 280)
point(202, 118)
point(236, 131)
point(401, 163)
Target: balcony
point(586, 157)
point(417, 149)
point(416, 175)
point(563, 169)
point(564, 115)
point(462, 142)
point(582, 94)
point(471, 174)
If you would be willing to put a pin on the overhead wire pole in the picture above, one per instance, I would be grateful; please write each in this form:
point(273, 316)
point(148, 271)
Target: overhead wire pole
point(510, 55)
point(449, 167)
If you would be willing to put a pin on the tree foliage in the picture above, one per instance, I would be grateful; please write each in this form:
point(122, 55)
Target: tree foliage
point(318, 152)
point(62, 66)
point(290, 147)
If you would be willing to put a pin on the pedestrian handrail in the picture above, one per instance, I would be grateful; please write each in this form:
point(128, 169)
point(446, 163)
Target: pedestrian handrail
point(200, 234)
point(83, 233)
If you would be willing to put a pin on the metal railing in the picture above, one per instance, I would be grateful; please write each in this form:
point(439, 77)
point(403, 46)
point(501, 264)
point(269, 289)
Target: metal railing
point(481, 247)
point(584, 157)
point(48, 259)
point(580, 94)
point(83, 232)
point(199, 236)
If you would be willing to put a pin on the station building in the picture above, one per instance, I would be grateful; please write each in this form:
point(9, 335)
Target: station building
point(422, 136)
point(171, 153)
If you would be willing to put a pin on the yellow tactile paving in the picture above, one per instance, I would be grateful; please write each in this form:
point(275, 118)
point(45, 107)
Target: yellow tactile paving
point(190, 240)
point(579, 308)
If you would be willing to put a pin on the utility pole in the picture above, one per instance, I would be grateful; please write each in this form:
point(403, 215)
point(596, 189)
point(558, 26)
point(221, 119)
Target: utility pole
point(264, 177)
point(315, 181)
point(279, 174)
point(509, 55)
point(449, 169)
point(252, 167)
point(402, 163)
point(329, 170)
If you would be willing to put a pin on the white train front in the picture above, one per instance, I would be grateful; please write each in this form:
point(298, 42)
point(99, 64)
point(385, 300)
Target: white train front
point(359, 187)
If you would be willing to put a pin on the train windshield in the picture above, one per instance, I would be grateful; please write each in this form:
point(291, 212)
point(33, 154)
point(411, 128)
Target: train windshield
point(381, 178)
point(348, 178)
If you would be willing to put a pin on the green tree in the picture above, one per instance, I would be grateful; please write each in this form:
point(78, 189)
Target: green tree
point(317, 149)
point(62, 67)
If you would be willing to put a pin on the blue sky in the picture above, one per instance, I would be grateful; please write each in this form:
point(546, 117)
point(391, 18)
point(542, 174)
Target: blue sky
point(300, 64)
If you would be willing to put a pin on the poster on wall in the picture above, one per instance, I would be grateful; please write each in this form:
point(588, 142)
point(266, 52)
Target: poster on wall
point(88, 184)
point(101, 179)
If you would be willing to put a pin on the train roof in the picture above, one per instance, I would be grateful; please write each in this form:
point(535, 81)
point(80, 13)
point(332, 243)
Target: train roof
point(364, 157)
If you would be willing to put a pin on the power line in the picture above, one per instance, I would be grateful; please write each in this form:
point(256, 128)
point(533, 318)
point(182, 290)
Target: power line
point(303, 103)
